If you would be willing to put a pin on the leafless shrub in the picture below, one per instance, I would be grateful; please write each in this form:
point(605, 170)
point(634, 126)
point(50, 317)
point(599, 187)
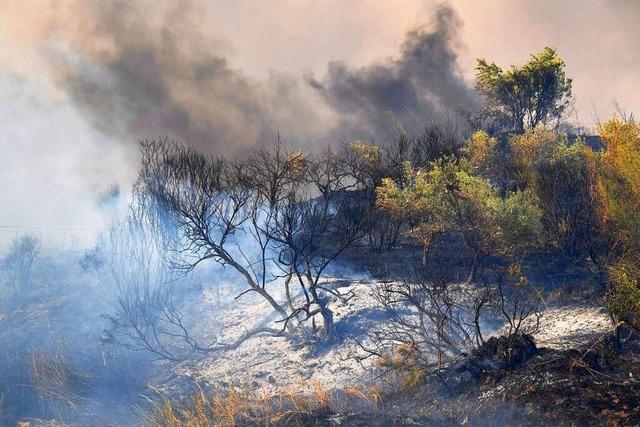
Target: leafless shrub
point(435, 326)
point(275, 216)
point(131, 261)
point(429, 329)
point(19, 261)
point(518, 300)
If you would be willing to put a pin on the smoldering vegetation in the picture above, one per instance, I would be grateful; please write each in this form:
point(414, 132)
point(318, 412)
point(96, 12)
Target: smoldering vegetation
point(214, 254)
point(86, 332)
point(53, 365)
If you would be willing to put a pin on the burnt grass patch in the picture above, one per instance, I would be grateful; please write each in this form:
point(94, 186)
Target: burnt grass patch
point(594, 385)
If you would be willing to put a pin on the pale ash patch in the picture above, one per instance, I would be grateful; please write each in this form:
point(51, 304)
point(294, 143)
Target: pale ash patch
point(572, 326)
point(269, 364)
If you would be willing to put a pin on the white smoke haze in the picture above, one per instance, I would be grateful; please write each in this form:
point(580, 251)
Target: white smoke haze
point(53, 166)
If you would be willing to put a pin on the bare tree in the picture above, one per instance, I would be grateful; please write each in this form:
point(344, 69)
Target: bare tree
point(133, 265)
point(19, 261)
point(273, 217)
point(311, 232)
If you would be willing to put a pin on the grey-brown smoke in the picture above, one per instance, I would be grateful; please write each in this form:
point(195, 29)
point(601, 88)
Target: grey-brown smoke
point(145, 71)
point(160, 75)
point(421, 81)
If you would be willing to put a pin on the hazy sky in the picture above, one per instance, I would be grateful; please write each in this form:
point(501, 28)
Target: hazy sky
point(83, 80)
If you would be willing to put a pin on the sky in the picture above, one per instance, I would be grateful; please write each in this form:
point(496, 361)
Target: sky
point(83, 81)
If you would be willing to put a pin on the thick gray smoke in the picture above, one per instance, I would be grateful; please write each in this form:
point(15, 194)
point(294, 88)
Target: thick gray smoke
point(137, 70)
point(422, 80)
point(161, 75)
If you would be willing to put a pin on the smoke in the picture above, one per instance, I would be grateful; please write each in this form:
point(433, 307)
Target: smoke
point(138, 69)
point(101, 75)
point(424, 79)
point(52, 167)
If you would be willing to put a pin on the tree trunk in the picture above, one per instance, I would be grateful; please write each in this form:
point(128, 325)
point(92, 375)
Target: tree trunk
point(474, 268)
point(329, 331)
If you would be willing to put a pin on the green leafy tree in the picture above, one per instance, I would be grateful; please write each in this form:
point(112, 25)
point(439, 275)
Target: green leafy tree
point(563, 177)
point(448, 198)
point(536, 93)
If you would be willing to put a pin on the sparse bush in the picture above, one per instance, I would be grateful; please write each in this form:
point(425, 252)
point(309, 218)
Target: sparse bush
point(619, 187)
point(19, 262)
point(131, 261)
point(430, 327)
point(447, 198)
point(563, 178)
point(435, 327)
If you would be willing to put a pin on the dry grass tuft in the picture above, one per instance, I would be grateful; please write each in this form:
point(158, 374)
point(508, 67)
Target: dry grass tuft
point(301, 405)
point(403, 367)
point(54, 379)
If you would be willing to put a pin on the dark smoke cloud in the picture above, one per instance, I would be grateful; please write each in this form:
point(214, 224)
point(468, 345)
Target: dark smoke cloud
point(156, 73)
point(138, 69)
point(423, 80)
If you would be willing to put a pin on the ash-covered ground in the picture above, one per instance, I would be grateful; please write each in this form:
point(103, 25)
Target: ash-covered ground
point(59, 324)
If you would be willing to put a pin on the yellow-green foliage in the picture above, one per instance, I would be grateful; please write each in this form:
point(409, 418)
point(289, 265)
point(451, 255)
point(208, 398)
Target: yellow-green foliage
point(563, 178)
point(449, 197)
point(481, 150)
point(529, 149)
point(620, 179)
point(535, 93)
point(519, 220)
point(624, 297)
point(619, 187)
point(370, 155)
point(365, 163)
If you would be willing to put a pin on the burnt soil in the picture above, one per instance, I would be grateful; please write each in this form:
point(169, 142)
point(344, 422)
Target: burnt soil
point(595, 385)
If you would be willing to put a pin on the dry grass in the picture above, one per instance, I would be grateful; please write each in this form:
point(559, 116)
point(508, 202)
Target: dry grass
point(372, 396)
point(403, 367)
point(303, 405)
point(55, 380)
